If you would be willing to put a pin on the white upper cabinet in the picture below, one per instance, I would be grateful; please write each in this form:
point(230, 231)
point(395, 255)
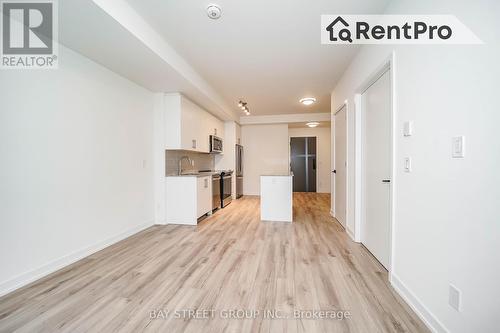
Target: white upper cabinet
point(188, 126)
point(191, 123)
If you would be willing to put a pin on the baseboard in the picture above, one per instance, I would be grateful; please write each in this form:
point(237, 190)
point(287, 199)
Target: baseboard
point(420, 309)
point(29, 277)
point(350, 233)
point(347, 230)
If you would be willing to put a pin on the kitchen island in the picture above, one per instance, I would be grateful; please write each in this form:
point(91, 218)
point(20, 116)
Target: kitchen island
point(276, 202)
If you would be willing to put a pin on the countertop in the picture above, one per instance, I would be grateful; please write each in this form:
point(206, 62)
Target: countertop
point(200, 174)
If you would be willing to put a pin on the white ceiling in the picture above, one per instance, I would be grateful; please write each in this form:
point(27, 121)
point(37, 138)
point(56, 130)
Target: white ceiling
point(265, 52)
point(107, 36)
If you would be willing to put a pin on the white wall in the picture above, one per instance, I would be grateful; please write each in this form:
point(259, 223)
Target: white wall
point(265, 152)
point(323, 146)
point(76, 149)
point(446, 221)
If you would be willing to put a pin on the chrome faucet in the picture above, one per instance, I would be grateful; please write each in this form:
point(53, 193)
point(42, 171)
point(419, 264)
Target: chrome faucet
point(191, 162)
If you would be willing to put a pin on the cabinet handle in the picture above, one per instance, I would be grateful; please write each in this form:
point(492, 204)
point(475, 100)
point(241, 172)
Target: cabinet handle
point(194, 144)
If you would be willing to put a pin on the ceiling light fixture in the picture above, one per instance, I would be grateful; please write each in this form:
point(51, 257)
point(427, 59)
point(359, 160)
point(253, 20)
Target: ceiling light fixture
point(244, 107)
point(308, 100)
point(312, 124)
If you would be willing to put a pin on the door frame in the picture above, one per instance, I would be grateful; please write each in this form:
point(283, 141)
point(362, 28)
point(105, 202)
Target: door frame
point(386, 66)
point(290, 154)
point(334, 157)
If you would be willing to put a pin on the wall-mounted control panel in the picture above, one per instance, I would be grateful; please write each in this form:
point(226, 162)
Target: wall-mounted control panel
point(407, 164)
point(458, 147)
point(408, 128)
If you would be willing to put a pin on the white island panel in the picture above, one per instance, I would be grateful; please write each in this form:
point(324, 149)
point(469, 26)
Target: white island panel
point(181, 200)
point(276, 198)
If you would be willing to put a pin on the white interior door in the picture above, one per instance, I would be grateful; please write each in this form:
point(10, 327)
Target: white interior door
point(377, 157)
point(340, 165)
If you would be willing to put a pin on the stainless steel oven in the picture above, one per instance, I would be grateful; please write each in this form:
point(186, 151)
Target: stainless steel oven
point(215, 144)
point(226, 188)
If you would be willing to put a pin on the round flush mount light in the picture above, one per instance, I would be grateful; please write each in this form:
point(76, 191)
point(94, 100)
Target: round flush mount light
point(313, 124)
point(214, 11)
point(308, 100)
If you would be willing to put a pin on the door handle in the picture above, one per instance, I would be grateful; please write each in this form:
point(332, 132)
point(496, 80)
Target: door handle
point(386, 180)
point(334, 171)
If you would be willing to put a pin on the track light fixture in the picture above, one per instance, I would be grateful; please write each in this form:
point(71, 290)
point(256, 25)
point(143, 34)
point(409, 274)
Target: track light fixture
point(244, 107)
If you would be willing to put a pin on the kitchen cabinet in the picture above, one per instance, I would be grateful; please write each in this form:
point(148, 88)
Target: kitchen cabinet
point(187, 198)
point(204, 195)
point(188, 126)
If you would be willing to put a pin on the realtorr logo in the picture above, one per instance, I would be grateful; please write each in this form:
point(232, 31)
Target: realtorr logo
point(28, 34)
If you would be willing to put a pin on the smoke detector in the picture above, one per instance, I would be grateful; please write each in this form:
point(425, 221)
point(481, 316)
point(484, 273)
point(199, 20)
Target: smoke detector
point(214, 11)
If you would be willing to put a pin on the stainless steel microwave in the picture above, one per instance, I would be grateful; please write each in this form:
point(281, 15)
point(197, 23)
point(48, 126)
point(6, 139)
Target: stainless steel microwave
point(215, 144)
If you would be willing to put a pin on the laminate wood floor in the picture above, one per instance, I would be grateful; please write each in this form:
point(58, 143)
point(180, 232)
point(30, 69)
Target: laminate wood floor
point(230, 261)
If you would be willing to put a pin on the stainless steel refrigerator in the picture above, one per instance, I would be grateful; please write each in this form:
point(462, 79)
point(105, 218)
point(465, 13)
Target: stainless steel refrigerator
point(239, 171)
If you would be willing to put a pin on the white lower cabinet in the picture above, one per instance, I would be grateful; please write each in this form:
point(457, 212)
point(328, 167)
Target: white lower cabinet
point(187, 198)
point(204, 195)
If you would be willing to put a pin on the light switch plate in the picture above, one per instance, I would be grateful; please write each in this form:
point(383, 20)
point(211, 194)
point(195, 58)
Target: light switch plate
point(407, 164)
point(454, 297)
point(408, 128)
point(458, 147)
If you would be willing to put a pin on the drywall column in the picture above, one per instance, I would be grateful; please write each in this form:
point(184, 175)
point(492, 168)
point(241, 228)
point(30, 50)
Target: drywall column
point(159, 158)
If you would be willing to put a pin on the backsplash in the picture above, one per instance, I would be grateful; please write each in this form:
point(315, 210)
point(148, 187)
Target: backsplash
point(201, 161)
